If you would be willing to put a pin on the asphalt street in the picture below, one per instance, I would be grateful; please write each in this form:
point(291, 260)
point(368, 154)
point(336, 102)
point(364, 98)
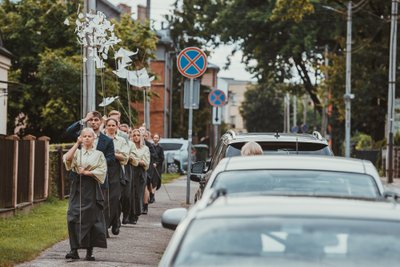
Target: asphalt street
point(137, 245)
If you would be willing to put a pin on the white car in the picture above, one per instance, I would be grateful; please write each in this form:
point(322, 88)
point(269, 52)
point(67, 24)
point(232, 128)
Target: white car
point(175, 154)
point(284, 231)
point(297, 175)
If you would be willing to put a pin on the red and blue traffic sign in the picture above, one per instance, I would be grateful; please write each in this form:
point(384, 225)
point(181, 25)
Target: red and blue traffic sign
point(217, 98)
point(192, 62)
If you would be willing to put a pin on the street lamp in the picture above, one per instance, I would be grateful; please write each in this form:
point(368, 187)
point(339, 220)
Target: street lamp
point(348, 96)
point(391, 90)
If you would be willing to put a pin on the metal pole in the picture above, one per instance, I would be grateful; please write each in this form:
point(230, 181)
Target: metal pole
point(391, 90)
point(189, 141)
point(89, 71)
point(348, 96)
point(170, 97)
point(324, 121)
point(294, 111)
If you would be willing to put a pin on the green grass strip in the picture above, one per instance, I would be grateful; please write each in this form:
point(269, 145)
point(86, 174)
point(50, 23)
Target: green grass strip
point(24, 236)
point(169, 177)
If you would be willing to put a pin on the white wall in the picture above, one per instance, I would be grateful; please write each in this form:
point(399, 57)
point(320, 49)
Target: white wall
point(5, 64)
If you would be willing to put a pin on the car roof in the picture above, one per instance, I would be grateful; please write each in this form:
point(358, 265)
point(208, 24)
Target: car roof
point(296, 162)
point(275, 137)
point(226, 206)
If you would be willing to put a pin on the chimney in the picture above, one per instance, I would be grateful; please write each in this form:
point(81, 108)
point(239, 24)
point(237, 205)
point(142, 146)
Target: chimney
point(141, 13)
point(125, 9)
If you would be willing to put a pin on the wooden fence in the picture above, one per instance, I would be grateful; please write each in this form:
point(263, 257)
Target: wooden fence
point(24, 171)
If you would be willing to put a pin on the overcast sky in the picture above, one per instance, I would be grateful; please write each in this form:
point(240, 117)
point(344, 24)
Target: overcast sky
point(218, 56)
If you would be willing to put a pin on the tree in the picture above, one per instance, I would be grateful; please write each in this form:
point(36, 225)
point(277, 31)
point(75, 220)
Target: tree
point(47, 62)
point(262, 108)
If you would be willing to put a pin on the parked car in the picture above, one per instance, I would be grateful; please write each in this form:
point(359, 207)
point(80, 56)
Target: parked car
point(303, 175)
point(176, 154)
point(231, 143)
point(284, 231)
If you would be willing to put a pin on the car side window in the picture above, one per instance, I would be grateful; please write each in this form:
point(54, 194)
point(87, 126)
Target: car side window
point(218, 155)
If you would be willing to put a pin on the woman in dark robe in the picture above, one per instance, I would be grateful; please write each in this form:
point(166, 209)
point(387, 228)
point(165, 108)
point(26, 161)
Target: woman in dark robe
point(116, 177)
point(140, 159)
point(85, 218)
point(158, 166)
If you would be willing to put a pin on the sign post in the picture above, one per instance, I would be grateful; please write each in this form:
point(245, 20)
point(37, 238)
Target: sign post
point(191, 63)
point(217, 99)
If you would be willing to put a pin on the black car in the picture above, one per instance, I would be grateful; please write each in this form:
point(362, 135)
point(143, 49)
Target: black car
point(231, 143)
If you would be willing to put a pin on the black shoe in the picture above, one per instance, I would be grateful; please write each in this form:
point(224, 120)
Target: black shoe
point(73, 254)
point(145, 209)
point(125, 220)
point(152, 199)
point(89, 255)
point(115, 229)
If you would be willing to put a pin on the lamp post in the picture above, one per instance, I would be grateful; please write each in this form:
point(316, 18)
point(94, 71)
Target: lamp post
point(391, 90)
point(348, 96)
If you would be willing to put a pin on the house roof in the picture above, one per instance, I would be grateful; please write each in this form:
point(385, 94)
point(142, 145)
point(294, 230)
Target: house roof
point(3, 50)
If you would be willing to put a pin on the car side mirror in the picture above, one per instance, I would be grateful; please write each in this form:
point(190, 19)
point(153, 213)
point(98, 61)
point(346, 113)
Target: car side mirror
point(391, 194)
point(197, 170)
point(172, 217)
point(198, 167)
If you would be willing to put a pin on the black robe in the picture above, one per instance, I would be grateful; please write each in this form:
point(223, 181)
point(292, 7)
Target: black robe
point(86, 224)
point(112, 211)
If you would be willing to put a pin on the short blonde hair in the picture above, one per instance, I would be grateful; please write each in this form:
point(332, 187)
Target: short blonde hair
point(88, 129)
point(251, 148)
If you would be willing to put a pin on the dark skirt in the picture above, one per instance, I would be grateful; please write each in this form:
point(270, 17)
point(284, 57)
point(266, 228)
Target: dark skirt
point(112, 210)
point(126, 195)
point(137, 191)
point(85, 218)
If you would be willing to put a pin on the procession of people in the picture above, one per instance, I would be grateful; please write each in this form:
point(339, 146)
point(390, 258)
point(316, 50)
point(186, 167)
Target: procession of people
point(115, 171)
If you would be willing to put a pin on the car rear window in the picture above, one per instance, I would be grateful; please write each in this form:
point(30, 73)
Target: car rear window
point(298, 182)
point(282, 148)
point(171, 146)
point(289, 241)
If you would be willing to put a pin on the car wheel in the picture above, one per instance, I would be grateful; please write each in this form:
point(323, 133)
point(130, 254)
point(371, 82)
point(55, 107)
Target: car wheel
point(173, 168)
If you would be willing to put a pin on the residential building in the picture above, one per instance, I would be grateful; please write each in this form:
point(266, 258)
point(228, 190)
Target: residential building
point(5, 64)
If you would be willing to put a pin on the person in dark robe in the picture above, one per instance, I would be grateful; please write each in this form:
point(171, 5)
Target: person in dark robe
point(151, 172)
point(156, 182)
point(116, 178)
point(140, 159)
point(85, 218)
point(102, 142)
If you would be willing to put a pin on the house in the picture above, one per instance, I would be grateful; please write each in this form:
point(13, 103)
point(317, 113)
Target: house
point(5, 64)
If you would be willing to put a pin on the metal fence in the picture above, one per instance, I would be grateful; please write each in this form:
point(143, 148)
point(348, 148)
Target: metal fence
point(24, 171)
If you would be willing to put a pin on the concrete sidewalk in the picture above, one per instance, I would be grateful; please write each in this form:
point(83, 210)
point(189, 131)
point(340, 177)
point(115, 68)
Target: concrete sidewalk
point(137, 245)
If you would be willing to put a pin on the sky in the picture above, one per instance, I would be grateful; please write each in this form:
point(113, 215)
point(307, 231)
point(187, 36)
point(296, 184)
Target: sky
point(217, 57)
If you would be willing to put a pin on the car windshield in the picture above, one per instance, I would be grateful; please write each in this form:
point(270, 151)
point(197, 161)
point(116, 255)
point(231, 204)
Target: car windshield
point(283, 148)
point(171, 146)
point(298, 182)
point(290, 241)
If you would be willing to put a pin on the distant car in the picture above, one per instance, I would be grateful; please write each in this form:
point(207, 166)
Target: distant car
point(231, 143)
point(176, 154)
point(285, 232)
point(297, 175)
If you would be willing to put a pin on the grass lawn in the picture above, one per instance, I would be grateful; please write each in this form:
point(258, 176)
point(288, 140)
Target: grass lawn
point(168, 177)
point(24, 236)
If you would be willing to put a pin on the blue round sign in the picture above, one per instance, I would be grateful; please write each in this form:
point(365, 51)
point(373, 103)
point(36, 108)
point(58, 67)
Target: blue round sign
point(217, 98)
point(192, 62)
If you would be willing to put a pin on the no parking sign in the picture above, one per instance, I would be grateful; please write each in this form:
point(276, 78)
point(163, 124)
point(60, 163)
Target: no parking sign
point(192, 62)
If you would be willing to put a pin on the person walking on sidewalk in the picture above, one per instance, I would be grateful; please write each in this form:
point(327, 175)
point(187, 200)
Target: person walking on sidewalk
point(156, 182)
point(116, 176)
point(140, 159)
point(85, 218)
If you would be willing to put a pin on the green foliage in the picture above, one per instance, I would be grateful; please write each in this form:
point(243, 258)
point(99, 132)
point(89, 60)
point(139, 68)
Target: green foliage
point(262, 109)
point(362, 141)
point(47, 63)
point(24, 236)
point(292, 10)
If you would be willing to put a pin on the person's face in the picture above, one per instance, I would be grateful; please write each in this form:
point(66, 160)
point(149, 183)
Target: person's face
point(111, 127)
point(142, 130)
point(95, 123)
point(136, 137)
point(147, 136)
point(87, 138)
point(156, 138)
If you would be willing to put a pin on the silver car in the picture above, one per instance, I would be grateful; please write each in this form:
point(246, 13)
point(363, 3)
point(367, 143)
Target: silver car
point(175, 154)
point(285, 232)
point(297, 175)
